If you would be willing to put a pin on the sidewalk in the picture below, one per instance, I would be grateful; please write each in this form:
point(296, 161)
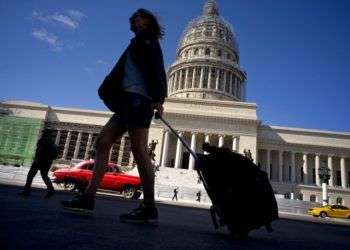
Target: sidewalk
point(16, 176)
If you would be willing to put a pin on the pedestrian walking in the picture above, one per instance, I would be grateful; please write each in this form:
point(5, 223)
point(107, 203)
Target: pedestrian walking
point(46, 151)
point(176, 190)
point(133, 90)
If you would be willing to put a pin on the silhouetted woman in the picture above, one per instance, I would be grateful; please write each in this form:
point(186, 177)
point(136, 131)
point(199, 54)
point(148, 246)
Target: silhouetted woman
point(133, 90)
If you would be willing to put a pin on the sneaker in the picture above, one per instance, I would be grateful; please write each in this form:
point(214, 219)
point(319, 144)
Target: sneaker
point(142, 214)
point(24, 193)
point(80, 202)
point(50, 193)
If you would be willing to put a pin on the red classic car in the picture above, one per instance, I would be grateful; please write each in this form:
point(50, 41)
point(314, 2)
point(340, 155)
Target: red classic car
point(78, 177)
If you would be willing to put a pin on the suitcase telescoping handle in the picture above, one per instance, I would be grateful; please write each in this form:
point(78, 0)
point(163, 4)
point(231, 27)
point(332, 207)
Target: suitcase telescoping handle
point(158, 116)
point(213, 210)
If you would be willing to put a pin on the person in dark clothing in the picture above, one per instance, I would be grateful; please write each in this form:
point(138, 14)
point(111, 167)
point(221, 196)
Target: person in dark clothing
point(176, 190)
point(46, 152)
point(133, 90)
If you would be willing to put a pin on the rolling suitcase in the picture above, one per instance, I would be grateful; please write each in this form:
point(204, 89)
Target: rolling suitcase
point(241, 194)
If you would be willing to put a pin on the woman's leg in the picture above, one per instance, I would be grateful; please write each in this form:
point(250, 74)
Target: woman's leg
point(109, 134)
point(139, 139)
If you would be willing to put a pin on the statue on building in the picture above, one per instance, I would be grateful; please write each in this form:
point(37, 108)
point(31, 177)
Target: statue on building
point(151, 148)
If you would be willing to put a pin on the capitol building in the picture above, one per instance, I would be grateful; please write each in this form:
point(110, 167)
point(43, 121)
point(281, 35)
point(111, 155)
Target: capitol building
point(206, 103)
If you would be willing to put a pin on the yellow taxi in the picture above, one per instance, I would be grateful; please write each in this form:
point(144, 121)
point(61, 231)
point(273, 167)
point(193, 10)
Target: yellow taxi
point(336, 211)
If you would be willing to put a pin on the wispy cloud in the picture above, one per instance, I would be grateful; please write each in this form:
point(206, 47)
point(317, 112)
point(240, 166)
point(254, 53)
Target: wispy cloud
point(50, 38)
point(70, 19)
point(100, 61)
point(65, 20)
point(76, 14)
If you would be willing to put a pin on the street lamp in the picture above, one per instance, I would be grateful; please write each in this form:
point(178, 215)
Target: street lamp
point(324, 174)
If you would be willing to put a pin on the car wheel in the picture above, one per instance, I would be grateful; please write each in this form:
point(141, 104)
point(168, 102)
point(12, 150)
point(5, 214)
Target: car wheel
point(129, 192)
point(323, 214)
point(69, 185)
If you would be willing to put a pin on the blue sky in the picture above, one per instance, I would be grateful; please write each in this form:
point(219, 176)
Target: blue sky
point(296, 52)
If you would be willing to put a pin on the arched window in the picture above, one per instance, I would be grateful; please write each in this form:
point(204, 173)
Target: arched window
point(186, 54)
point(196, 51)
point(313, 198)
point(339, 201)
point(207, 52)
point(219, 53)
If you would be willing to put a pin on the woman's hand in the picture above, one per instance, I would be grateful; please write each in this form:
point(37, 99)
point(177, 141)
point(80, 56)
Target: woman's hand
point(158, 107)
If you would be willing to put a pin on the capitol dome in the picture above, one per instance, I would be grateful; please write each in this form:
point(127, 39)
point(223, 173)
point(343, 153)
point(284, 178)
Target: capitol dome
point(207, 60)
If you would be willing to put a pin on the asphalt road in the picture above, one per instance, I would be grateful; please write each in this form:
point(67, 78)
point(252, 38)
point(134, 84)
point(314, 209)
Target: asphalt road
point(39, 223)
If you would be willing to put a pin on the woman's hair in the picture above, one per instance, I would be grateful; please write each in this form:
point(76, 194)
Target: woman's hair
point(153, 26)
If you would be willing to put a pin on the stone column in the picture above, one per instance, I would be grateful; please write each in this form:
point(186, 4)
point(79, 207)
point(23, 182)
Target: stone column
point(344, 181)
point(110, 154)
point(221, 141)
point(193, 77)
point(186, 78)
point(317, 166)
point(209, 78)
point(280, 166)
point(331, 171)
point(131, 159)
point(171, 83)
point(58, 136)
point(121, 151)
point(66, 145)
point(77, 146)
point(268, 163)
point(207, 140)
point(235, 144)
point(88, 146)
point(193, 147)
point(176, 80)
point(217, 78)
point(179, 151)
point(201, 78)
point(165, 148)
point(305, 169)
point(292, 156)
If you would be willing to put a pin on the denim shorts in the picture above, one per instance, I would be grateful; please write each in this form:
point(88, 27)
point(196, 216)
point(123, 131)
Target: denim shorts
point(134, 111)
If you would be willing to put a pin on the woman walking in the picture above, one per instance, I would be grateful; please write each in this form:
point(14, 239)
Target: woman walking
point(134, 89)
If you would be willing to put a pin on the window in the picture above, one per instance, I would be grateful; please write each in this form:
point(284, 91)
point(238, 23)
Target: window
point(228, 80)
point(197, 76)
point(339, 201)
point(219, 53)
point(313, 198)
point(205, 77)
point(213, 77)
point(287, 195)
point(207, 52)
point(228, 56)
point(196, 51)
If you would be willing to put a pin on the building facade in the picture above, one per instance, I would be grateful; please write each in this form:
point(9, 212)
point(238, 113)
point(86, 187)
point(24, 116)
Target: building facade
point(206, 87)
